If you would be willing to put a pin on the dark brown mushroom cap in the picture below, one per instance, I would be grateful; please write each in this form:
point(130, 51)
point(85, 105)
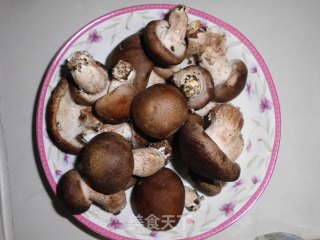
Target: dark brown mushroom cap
point(234, 85)
point(161, 196)
point(107, 162)
point(131, 51)
point(71, 193)
point(159, 111)
point(115, 106)
point(206, 85)
point(132, 41)
point(203, 156)
point(210, 187)
point(62, 117)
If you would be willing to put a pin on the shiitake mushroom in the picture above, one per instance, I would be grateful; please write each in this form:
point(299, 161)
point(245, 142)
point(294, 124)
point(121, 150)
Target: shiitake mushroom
point(159, 111)
point(159, 199)
point(107, 162)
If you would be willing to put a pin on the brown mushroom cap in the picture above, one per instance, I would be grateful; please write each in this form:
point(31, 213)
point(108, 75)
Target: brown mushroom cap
point(192, 116)
point(203, 156)
point(159, 111)
point(130, 50)
point(63, 119)
point(164, 40)
point(210, 187)
point(197, 84)
point(115, 106)
point(107, 162)
point(161, 195)
point(234, 85)
point(71, 193)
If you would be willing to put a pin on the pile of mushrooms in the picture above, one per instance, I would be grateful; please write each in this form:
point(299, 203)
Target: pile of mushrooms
point(167, 86)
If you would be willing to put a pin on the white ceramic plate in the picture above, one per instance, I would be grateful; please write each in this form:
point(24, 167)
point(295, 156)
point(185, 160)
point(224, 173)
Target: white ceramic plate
point(261, 132)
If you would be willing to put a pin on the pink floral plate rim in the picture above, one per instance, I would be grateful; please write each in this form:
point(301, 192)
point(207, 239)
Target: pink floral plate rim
point(55, 63)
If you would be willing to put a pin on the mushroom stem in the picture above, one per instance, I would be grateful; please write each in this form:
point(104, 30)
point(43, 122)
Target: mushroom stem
point(225, 129)
point(206, 109)
point(219, 68)
point(78, 196)
point(122, 72)
point(87, 73)
point(206, 45)
point(178, 23)
point(113, 203)
point(147, 161)
point(124, 129)
point(192, 199)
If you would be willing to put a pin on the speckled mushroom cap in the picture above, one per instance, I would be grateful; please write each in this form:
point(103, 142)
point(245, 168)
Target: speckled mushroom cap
point(197, 85)
point(63, 119)
point(72, 194)
point(159, 111)
point(203, 156)
point(107, 162)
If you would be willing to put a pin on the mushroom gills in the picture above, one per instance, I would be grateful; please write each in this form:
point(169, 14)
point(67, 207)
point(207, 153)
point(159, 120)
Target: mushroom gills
point(124, 129)
point(65, 118)
point(203, 156)
point(220, 70)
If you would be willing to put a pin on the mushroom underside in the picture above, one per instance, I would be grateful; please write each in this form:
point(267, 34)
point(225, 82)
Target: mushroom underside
point(63, 117)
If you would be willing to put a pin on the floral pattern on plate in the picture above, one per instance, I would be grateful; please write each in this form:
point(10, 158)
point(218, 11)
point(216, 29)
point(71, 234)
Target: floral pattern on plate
point(258, 103)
